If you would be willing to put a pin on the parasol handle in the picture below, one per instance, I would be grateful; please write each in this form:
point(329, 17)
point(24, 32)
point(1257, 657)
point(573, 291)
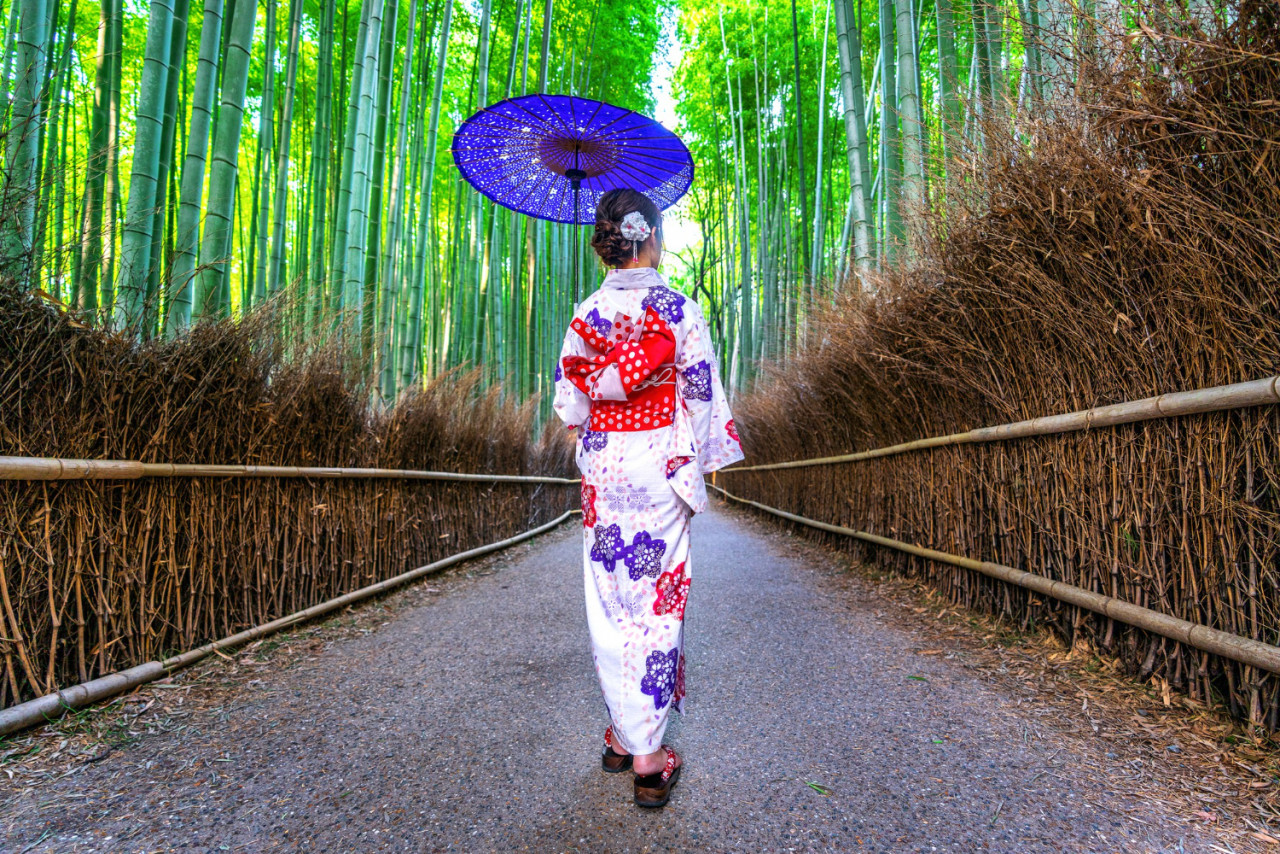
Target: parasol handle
point(575, 177)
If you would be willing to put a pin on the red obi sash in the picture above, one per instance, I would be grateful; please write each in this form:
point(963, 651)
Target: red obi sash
point(629, 377)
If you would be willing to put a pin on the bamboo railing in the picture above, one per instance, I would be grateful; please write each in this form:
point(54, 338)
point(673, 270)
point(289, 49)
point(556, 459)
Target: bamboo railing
point(1216, 399)
point(1244, 650)
point(1034, 539)
point(54, 468)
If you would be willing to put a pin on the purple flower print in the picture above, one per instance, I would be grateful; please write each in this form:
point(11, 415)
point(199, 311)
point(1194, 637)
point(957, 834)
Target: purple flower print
point(626, 497)
point(560, 374)
point(594, 440)
point(697, 381)
point(644, 556)
point(608, 547)
point(667, 303)
point(659, 681)
point(601, 325)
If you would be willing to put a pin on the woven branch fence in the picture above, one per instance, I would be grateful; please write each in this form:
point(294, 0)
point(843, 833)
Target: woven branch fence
point(99, 575)
point(1130, 251)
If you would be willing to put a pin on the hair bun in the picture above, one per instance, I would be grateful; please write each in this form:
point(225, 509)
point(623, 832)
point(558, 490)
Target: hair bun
point(622, 214)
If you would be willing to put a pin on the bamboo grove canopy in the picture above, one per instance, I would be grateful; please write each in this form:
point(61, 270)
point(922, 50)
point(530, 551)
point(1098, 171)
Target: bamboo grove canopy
point(167, 162)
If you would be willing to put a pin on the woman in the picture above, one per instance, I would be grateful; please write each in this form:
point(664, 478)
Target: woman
point(638, 378)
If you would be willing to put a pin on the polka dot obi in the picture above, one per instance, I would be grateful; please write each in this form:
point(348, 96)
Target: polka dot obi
point(647, 409)
point(628, 373)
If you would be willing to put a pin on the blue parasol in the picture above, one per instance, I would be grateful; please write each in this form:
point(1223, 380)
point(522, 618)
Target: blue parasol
point(553, 156)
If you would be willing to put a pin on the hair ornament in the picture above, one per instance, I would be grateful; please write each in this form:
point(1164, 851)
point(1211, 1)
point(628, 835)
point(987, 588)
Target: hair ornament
point(635, 228)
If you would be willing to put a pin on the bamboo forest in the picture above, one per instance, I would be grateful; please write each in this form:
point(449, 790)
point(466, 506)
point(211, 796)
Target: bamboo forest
point(174, 162)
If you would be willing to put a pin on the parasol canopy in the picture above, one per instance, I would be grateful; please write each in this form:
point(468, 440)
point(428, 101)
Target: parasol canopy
point(553, 156)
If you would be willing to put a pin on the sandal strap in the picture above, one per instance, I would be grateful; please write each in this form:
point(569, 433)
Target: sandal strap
point(670, 767)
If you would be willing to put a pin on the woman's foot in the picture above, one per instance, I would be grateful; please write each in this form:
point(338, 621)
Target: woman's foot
point(614, 759)
point(656, 776)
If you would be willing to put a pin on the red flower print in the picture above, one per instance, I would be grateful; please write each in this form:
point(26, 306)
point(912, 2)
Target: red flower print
point(588, 505)
point(679, 693)
point(731, 430)
point(674, 464)
point(673, 593)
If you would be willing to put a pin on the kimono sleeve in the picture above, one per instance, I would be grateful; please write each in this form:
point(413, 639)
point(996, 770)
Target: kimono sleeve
point(571, 405)
point(703, 394)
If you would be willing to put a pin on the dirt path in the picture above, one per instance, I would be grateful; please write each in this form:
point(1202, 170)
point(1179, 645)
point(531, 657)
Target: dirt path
point(472, 723)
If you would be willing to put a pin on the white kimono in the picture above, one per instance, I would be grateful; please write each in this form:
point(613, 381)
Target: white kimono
point(640, 487)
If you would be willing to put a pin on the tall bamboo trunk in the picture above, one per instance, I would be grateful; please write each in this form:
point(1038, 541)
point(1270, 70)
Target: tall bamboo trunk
point(949, 82)
point(144, 181)
point(890, 158)
point(342, 213)
point(282, 162)
point(17, 239)
point(213, 298)
point(819, 177)
point(90, 262)
point(909, 108)
point(849, 45)
point(374, 288)
point(411, 349)
point(255, 277)
point(164, 186)
point(191, 207)
point(804, 205)
point(321, 139)
point(111, 190)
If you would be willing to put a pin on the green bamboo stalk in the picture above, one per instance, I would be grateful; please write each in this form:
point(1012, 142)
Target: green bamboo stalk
point(909, 108)
point(849, 46)
point(804, 205)
point(135, 255)
point(190, 210)
point(282, 163)
point(391, 299)
point(212, 298)
point(23, 143)
point(342, 213)
point(890, 157)
point(321, 138)
point(111, 191)
point(255, 277)
point(90, 262)
point(819, 177)
point(373, 288)
point(411, 351)
point(164, 188)
point(949, 82)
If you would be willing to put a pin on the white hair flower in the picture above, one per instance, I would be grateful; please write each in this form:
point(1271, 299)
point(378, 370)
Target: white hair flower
point(634, 227)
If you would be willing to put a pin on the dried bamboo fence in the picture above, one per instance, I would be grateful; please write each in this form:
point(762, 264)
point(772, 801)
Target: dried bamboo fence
point(1130, 249)
point(1220, 399)
point(1176, 514)
point(328, 494)
point(50, 706)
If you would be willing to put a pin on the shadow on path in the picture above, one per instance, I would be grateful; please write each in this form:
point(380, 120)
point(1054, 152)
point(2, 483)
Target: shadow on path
point(472, 723)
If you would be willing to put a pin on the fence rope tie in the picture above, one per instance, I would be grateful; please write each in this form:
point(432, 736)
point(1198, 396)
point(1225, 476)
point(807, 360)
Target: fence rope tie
point(52, 706)
point(1237, 648)
point(1216, 399)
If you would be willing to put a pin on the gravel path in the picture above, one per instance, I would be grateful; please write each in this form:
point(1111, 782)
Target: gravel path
point(472, 723)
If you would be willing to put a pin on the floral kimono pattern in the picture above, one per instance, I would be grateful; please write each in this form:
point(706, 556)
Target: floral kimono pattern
point(641, 485)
